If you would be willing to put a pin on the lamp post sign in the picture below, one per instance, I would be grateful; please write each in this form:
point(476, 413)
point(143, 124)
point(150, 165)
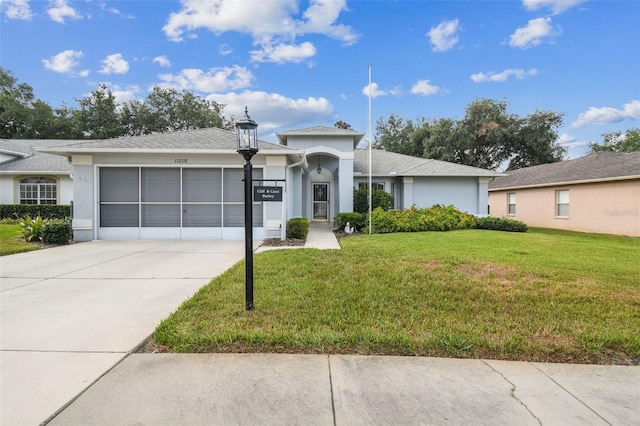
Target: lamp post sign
point(267, 193)
point(247, 138)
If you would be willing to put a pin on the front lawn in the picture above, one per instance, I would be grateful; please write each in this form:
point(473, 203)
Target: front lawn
point(11, 240)
point(540, 296)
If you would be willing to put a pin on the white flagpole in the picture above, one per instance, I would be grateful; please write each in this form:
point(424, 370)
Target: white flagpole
point(370, 143)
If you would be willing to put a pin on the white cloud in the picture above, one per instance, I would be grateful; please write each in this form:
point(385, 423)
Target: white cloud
point(16, 9)
point(556, 6)
point(532, 34)
point(114, 64)
point(113, 10)
point(64, 62)
point(424, 87)
point(59, 10)
point(271, 23)
point(125, 94)
point(504, 75)
point(225, 49)
point(443, 37)
point(274, 111)
point(282, 53)
point(163, 61)
point(320, 19)
point(607, 115)
point(377, 92)
point(213, 81)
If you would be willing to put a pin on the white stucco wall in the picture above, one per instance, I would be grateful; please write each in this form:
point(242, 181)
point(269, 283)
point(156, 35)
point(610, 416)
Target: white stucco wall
point(9, 187)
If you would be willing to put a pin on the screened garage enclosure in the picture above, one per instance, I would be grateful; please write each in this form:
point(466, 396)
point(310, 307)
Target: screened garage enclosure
point(184, 202)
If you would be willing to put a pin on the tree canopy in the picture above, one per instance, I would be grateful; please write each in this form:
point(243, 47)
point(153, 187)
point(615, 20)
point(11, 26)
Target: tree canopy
point(488, 136)
point(618, 142)
point(99, 116)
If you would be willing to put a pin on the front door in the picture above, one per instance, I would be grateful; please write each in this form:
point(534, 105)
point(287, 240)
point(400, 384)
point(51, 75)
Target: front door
point(320, 201)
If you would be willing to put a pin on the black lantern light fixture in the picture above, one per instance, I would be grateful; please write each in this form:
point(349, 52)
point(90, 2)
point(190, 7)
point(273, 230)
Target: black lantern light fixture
point(247, 137)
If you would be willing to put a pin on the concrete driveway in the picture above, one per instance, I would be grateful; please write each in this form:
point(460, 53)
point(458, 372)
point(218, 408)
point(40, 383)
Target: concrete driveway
point(69, 314)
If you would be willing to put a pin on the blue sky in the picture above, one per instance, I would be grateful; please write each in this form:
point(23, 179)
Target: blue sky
point(297, 64)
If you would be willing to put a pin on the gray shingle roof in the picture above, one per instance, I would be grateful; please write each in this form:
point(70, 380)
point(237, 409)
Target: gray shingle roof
point(384, 163)
point(211, 139)
point(600, 166)
point(28, 159)
point(319, 131)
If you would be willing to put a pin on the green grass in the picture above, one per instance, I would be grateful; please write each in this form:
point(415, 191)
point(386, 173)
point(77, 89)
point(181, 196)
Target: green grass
point(11, 240)
point(544, 295)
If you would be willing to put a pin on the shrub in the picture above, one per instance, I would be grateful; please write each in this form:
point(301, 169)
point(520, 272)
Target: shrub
point(501, 224)
point(32, 229)
point(436, 218)
point(298, 227)
point(45, 211)
point(57, 232)
point(355, 219)
point(379, 198)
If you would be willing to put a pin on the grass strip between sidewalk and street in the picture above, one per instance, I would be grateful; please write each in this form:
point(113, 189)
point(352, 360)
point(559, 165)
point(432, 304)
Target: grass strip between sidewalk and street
point(545, 295)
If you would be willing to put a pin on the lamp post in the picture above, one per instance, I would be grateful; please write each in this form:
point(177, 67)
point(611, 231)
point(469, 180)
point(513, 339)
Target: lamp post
point(247, 137)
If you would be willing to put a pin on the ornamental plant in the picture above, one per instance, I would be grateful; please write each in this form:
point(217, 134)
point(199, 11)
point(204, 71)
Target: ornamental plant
point(32, 228)
point(298, 227)
point(436, 218)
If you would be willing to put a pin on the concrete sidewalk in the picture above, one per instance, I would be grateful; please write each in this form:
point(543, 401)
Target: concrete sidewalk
point(277, 389)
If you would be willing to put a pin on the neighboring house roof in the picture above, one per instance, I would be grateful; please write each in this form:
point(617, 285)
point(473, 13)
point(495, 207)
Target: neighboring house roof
point(320, 131)
point(384, 163)
point(27, 159)
point(596, 167)
point(210, 140)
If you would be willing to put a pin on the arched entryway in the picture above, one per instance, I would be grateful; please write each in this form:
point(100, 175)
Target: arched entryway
point(321, 188)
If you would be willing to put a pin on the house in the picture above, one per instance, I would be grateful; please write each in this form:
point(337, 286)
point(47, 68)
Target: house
point(597, 193)
point(30, 177)
point(189, 185)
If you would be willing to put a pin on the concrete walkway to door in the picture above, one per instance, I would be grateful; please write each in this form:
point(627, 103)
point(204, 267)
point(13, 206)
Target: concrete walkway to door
point(321, 236)
point(69, 314)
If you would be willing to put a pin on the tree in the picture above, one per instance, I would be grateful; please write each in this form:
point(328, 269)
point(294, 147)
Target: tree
point(488, 137)
point(22, 116)
point(342, 125)
point(535, 141)
point(618, 142)
point(98, 116)
point(396, 135)
point(167, 110)
point(484, 134)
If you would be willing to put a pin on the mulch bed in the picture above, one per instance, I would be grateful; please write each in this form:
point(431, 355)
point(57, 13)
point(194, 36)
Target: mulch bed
point(277, 242)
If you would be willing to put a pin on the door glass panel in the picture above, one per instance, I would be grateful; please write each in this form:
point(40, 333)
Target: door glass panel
point(320, 201)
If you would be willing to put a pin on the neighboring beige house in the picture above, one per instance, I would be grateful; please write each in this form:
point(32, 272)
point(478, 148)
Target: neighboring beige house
point(597, 193)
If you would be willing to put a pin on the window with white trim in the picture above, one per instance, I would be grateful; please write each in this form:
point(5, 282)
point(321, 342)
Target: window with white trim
point(374, 185)
point(562, 203)
point(38, 190)
point(511, 203)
